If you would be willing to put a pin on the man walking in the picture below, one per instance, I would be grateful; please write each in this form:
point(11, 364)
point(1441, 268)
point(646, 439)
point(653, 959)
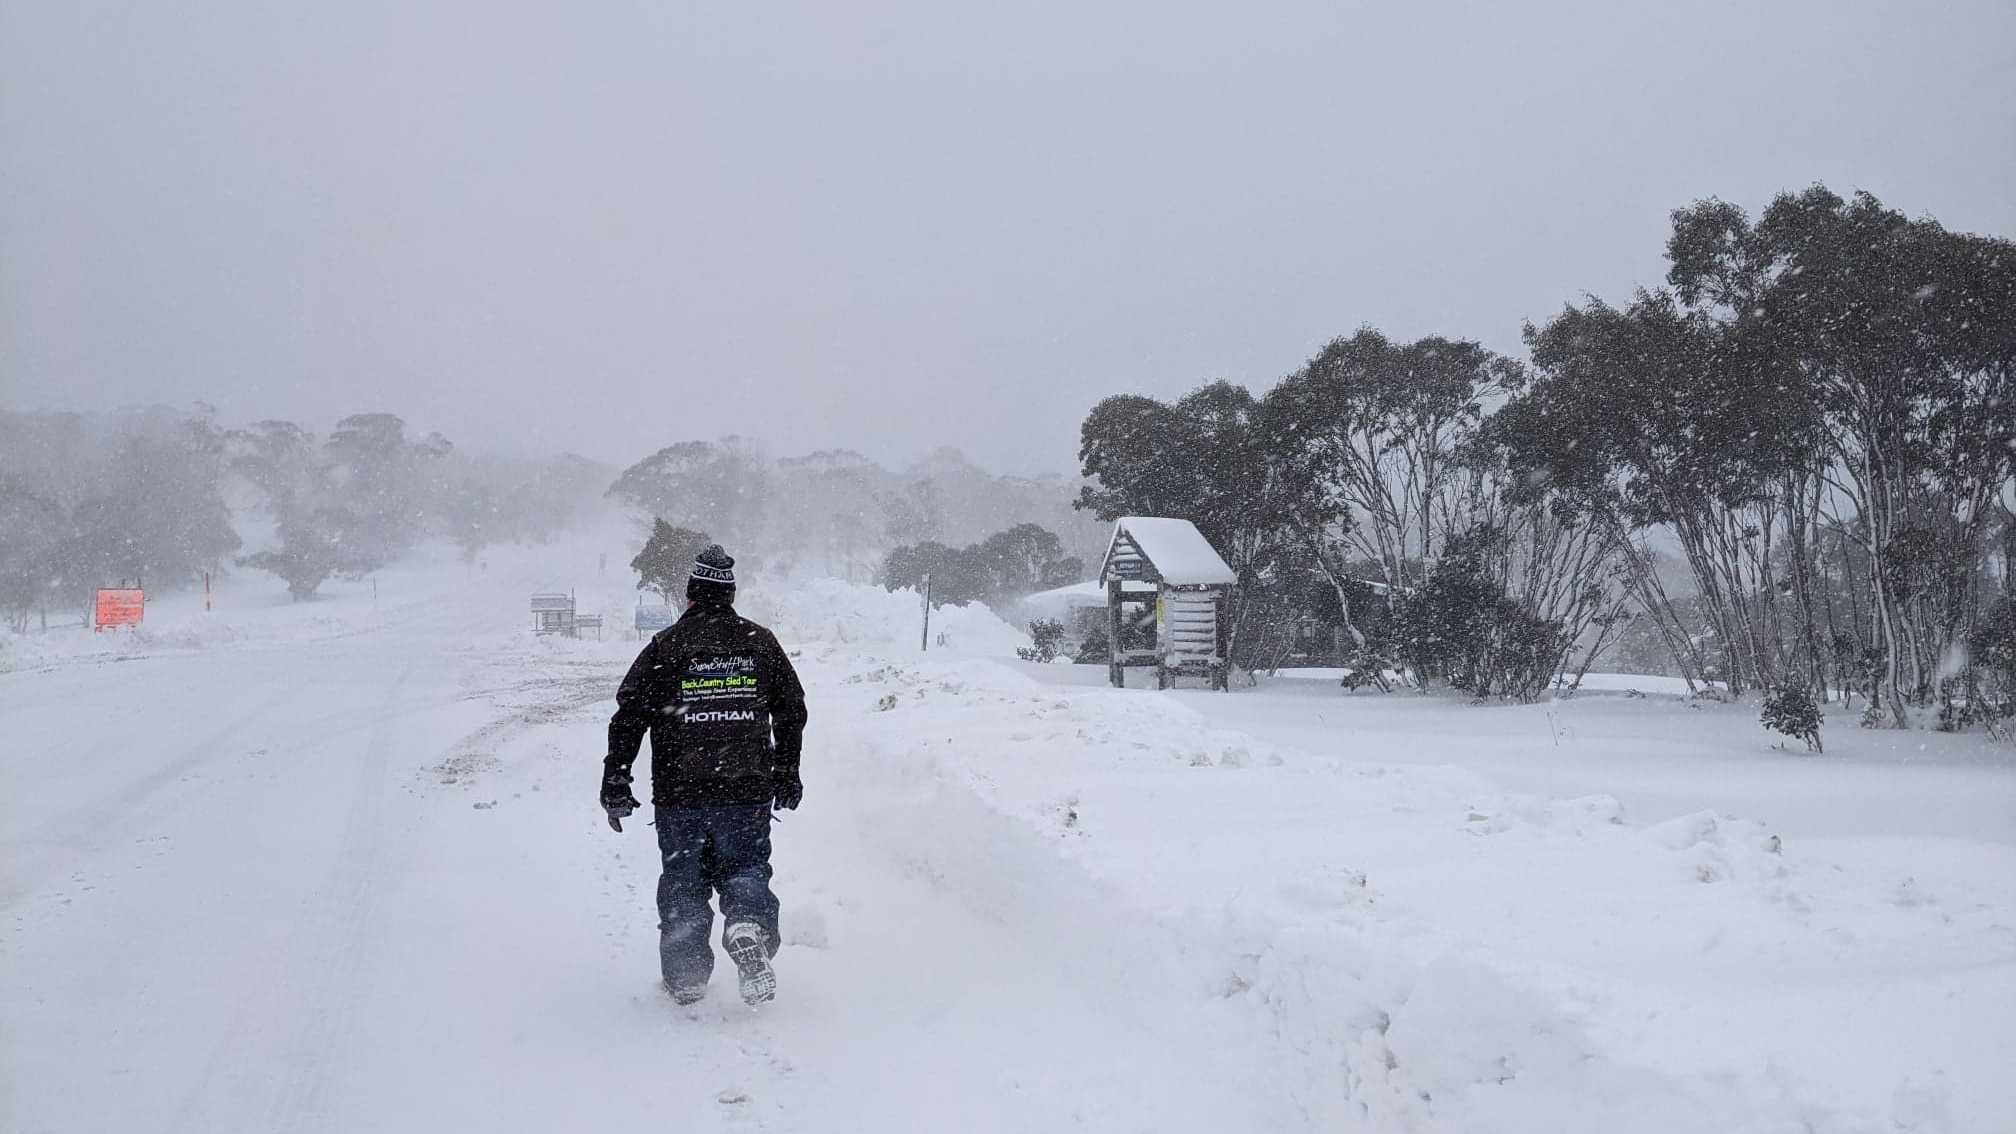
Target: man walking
point(727, 721)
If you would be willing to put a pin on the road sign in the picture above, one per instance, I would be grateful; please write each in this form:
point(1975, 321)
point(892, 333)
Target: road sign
point(119, 606)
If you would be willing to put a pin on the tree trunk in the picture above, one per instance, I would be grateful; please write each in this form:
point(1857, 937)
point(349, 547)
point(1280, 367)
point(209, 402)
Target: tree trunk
point(1882, 526)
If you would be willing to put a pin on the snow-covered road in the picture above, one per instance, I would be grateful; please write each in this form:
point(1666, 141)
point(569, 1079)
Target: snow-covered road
point(358, 882)
point(193, 849)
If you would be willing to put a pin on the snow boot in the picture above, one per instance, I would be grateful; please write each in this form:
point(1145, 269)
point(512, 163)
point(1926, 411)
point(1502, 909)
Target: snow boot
point(749, 947)
point(688, 994)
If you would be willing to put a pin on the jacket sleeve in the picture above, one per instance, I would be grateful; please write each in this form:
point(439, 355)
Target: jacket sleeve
point(787, 707)
point(637, 703)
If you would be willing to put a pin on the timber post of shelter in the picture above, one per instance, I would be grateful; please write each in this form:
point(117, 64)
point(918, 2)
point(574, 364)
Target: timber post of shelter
point(1167, 564)
point(1116, 624)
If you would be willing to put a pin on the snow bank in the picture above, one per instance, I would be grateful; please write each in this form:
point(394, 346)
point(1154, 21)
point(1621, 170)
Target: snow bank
point(832, 616)
point(1410, 946)
point(177, 623)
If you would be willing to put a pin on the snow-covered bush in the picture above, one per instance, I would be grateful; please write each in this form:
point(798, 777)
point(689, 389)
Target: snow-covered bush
point(1790, 709)
point(1046, 636)
point(1981, 689)
point(1463, 626)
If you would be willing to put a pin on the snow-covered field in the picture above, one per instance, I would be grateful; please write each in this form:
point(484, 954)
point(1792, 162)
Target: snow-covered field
point(338, 866)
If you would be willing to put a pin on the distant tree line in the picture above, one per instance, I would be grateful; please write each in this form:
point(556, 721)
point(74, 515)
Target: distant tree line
point(1814, 421)
point(157, 497)
point(837, 513)
point(89, 501)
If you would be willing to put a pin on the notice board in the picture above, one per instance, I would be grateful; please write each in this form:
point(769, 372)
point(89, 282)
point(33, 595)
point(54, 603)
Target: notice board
point(119, 606)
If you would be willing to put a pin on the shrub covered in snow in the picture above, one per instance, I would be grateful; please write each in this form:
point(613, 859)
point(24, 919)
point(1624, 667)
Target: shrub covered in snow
point(1464, 626)
point(1790, 709)
point(1979, 685)
point(1047, 634)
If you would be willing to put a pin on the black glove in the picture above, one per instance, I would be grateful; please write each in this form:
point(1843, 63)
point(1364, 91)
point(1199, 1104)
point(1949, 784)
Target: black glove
point(617, 800)
point(787, 788)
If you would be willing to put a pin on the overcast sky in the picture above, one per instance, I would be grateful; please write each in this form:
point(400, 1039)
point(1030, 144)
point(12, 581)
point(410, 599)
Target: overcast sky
point(607, 227)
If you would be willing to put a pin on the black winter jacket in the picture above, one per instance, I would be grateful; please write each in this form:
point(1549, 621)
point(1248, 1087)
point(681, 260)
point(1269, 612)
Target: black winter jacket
point(723, 707)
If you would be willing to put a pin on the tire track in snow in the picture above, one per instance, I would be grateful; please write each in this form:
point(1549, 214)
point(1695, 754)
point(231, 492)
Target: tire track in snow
point(101, 820)
point(85, 828)
point(302, 1004)
point(304, 1008)
point(473, 756)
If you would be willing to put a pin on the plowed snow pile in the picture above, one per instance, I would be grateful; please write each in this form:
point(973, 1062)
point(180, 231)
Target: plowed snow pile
point(1420, 950)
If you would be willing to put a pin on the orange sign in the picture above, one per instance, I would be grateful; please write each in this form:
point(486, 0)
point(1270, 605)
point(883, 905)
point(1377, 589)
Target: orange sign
point(120, 606)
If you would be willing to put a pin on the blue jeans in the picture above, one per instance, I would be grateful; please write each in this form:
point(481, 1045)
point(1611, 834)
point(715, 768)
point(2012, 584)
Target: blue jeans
point(708, 850)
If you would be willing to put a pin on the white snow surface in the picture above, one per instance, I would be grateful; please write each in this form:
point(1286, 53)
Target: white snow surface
point(338, 866)
point(837, 620)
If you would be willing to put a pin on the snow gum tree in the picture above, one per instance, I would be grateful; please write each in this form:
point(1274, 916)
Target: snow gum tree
point(385, 480)
point(1378, 427)
point(1025, 559)
point(279, 459)
point(1364, 446)
point(1005, 566)
point(1817, 411)
point(313, 548)
point(1636, 421)
point(1894, 342)
point(717, 486)
point(666, 560)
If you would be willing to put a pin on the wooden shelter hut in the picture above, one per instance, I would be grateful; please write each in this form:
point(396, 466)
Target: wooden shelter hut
point(553, 613)
point(1168, 566)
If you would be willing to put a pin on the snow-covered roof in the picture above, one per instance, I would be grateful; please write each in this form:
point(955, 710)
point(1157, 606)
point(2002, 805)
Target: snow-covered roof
point(1175, 548)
